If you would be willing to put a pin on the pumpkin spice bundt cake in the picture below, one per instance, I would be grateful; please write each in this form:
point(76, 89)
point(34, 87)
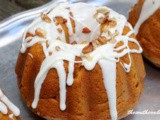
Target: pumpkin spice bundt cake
point(8, 111)
point(80, 62)
point(145, 16)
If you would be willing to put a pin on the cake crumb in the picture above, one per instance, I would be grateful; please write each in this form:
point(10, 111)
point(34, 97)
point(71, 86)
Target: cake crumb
point(45, 18)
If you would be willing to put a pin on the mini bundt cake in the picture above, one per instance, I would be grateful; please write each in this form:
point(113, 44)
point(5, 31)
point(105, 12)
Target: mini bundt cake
point(145, 16)
point(8, 111)
point(80, 62)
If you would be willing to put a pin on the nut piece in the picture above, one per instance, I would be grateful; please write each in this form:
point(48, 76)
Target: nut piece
point(115, 34)
point(113, 41)
point(102, 40)
point(40, 32)
point(88, 49)
point(103, 11)
point(59, 30)
point(45, 18)
point(96, 43)
point(86, 30)
point(71, 35)
point(57, 48)
point(61, 20)
point(50, 53)
point(105, 29)
point(73, 43)
point(56, 23)
point(47, 44)
point(112, 23)
point(64, 21)
point(58, 38)
point(89, 58)
point(83, 42)
point(102, 20)
point(105, 19)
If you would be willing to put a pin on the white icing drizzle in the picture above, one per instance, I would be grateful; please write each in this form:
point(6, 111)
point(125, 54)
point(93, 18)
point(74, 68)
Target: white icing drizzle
point(106, 55)
point(3, 108)
point(68, 53)
point(110, 84)
point(70, 74)
point(7, 103)
point(149, 7)
point(84, 18)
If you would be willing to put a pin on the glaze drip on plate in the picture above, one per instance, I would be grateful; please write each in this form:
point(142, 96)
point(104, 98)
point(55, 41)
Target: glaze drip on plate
point(94, 35)
point(5, 103)
point(148, 9)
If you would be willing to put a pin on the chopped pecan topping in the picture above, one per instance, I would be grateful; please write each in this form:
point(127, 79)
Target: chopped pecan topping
point(45, 18)
point(64, 21)
point(86, 30)
point(59, 30)
point(68, 8)
point(47, 44)
point(82, 55)
point(40, 32)
point(105, 29)
point(83, 42)
point(50, 53)
point(115, 34)
point(88, 49)
point(73, 43)
point(58, 38)
point(61, 20)
point(112, 23)
point(89, 58)
point(71, 35)
point(105, 19)
point(29, 40)
point(102, 20)
point(103, 11)
point(56, 23)
point(96, 43)
point(57, 48)
point(102, 40)
point(113, 41)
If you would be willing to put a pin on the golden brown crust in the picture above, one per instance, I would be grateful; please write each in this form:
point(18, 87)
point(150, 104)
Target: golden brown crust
point(86, 98)
point(6, 117)
point(148, 35)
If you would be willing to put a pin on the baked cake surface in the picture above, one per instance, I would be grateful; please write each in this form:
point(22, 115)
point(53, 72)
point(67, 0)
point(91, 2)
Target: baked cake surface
point(8, 111)
point(145, 16)
point(80, 62)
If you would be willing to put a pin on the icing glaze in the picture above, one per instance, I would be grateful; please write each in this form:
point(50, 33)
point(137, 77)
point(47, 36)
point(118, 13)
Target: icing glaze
point(110, 84)
point(6, 103)
point(106, 55)
point(146, 12)
point(3, 108)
